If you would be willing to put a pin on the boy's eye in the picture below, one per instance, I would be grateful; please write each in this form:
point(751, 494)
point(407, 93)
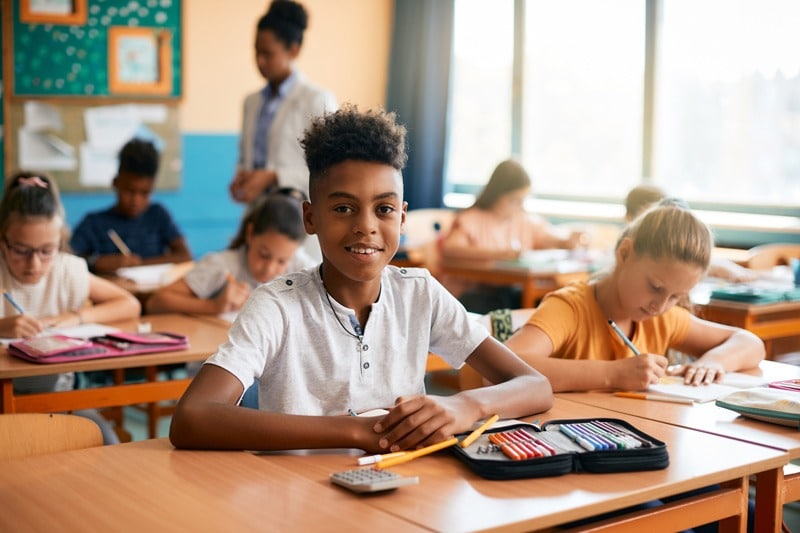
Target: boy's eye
point(386, 209)
point(342, 209)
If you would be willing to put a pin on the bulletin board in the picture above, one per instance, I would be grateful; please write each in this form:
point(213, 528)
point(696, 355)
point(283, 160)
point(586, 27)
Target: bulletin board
point(157, 122)
point(126, 48)
point(90, 63)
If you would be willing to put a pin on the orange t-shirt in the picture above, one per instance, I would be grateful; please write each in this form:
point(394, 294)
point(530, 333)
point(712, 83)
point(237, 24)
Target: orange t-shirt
point(486, 232)
point(578, 328)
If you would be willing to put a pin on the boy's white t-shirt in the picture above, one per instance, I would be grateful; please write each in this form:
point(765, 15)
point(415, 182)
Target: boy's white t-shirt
point(209, 275)
point(310, 363)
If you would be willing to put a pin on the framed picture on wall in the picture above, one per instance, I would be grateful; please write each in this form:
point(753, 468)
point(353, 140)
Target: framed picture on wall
point(53, 11)
point(139, 60)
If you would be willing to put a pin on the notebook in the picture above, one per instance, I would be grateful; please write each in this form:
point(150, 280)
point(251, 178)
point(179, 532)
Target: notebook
point(733, 382)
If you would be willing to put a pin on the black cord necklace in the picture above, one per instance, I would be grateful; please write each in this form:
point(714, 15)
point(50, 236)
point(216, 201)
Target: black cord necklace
point(335, 314)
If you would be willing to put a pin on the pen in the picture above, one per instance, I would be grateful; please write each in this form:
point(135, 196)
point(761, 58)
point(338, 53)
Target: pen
point(472, 437)
point(118, 242)
point(416, 453)
point(372, 459)
point(655, 397)
point(14, 304)
point(624, 337)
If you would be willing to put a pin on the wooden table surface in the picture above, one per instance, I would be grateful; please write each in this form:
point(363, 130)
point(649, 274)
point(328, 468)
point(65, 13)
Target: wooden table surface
point(204, 338)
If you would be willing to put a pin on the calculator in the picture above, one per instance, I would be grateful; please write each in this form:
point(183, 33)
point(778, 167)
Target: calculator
point(371, 480)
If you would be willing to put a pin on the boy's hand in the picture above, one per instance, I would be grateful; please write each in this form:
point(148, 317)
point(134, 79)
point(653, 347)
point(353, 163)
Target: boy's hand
point(110, 263)
point(418, 421)
point(637, 373)
point(20, 326)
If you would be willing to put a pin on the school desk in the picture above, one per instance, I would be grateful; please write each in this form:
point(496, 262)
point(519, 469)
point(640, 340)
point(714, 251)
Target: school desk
point(773, 488)
point(150, 485)
point(768, 321)
point(452, 498)
point(535, 283)
point(204, 338)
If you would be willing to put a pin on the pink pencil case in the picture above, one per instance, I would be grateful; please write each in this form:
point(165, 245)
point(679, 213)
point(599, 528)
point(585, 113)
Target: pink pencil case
point(61, 349)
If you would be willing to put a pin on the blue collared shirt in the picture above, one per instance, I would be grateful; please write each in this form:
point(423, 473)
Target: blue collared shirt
point(266, 116)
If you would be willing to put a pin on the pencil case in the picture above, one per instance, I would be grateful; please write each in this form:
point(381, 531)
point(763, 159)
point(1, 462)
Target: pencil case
point(62, 349)
point(597, 445)
point(755, 295)
point(778, 404)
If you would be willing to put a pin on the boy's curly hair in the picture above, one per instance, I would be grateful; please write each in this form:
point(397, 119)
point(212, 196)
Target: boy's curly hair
point(373, 136)
point(139, 157)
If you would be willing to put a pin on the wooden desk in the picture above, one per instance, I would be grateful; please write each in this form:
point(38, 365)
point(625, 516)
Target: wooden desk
point(451, 498)
point(204, 337)
point(148, 486)
point(535, 283)
point(768, 321)
point(773, 488)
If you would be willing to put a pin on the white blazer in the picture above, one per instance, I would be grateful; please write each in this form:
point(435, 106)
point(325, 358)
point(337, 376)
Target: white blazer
point(284, 154)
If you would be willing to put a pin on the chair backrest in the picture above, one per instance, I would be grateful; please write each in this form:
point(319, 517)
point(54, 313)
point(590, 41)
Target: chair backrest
point(27, 434)
point(766, 256)
point(423, 229)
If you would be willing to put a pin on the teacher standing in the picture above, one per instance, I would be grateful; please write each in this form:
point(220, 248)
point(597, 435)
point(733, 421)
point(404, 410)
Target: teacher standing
point(275, 117)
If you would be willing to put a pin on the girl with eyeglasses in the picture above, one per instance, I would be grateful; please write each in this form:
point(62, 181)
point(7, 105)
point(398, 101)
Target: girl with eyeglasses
point(43, 285)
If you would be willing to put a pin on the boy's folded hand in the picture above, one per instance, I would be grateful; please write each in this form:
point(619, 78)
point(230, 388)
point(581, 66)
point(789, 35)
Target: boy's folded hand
point(418, 421)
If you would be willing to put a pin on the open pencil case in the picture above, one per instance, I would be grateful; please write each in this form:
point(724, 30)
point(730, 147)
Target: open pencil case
point(62, 349)
point(598, 445)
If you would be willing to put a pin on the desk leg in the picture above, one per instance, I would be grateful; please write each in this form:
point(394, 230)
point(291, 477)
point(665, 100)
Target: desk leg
point(769, 500)
point(7, 395)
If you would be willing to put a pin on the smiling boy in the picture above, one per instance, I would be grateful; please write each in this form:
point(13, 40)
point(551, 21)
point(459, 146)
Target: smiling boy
point(352, 333)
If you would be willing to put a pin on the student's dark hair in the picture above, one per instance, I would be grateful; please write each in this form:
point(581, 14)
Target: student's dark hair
point(348, 134)
point(671, 232)
point(507, 177)
point(640, 198)
point(287, 19)
point(139, 157)
point(279, 211)
point(30, 196)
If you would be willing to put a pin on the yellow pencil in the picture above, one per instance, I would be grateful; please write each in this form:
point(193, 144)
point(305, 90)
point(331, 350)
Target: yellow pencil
point(416, 453)
point(472, 437)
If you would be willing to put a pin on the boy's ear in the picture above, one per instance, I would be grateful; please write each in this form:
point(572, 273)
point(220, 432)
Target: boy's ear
point(308, 219)
point(403, 214)
point(114, 182)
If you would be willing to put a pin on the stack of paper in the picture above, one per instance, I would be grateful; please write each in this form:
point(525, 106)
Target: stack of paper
point(733, 381)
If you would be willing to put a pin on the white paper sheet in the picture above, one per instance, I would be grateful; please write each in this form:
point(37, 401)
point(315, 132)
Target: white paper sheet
point(38, 150)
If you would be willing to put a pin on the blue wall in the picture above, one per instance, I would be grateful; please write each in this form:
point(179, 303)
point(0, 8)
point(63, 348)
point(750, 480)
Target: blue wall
point(202, 206)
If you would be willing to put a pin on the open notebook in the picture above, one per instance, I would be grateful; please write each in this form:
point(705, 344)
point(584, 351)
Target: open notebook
point(733, 381)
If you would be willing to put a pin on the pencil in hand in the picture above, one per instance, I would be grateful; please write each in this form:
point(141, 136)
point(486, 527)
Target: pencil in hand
point(472, 437)
point(410, 456)
point(118, 242)
point(13, 302)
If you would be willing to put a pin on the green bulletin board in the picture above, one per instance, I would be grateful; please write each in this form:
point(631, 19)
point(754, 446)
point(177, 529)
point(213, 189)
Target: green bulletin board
point(72, 60)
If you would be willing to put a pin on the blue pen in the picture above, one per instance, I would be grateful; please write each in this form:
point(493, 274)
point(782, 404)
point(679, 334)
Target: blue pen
point(589, 436)
point(14, 304)
point(624, 337)
point(577, 438)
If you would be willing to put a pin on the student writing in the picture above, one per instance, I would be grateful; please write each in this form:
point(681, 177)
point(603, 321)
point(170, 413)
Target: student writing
point(352, 333)
point(266, 246)
point(497, 226)
point(52, 287)
point(146, 228)
point(659, 258)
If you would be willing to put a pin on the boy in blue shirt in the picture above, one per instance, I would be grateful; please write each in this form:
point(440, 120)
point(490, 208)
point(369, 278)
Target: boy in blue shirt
point(352, 334)
point(146, 229)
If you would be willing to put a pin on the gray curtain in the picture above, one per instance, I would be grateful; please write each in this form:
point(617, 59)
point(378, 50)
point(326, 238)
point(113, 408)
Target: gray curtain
point(419, 79)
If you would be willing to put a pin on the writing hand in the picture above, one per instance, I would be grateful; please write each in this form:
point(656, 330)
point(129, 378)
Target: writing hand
point(637, 373)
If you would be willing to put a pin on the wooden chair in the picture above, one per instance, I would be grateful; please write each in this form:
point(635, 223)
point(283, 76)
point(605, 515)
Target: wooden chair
point(27, 434)
point(766, 256)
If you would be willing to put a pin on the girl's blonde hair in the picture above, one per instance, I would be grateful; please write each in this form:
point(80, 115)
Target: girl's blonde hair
point(31, 196)
point(668, 231)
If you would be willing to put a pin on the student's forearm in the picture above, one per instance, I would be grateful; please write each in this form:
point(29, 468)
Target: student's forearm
point(567, 375)
point(111, 310)
point(466, 252)
point(225, 426)
point(518, 397)
point(171, 257)
point(740, 351)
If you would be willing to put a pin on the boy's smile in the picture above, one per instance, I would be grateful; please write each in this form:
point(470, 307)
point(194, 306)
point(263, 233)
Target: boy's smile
point(357, 211)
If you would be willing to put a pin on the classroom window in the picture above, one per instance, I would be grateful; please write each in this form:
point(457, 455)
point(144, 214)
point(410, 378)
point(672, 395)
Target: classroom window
point(725, 125)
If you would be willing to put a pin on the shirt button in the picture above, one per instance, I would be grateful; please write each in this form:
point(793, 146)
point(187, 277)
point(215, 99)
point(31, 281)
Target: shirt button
point(366, 366)
point(288, 282)
point(403, 271)
point(365, 347)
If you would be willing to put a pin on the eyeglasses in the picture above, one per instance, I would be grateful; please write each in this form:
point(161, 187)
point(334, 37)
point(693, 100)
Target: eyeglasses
point(45, 253)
